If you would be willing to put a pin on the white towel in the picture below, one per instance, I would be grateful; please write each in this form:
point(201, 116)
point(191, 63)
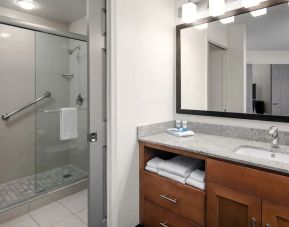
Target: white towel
point(198, 175)
point(68, 123)
point(154, 163)
point(180, 165)
point(172, 176)
point(180, 133)
point(151, 169)
point(196, 184)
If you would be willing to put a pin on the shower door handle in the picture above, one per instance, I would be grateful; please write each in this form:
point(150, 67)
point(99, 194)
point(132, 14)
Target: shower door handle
point(92, 137)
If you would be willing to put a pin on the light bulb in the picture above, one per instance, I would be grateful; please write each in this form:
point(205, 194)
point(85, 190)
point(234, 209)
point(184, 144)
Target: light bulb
point(26, 4)
point(259, 12)
point(189, 13)
point(217, 7)
point(5, 35)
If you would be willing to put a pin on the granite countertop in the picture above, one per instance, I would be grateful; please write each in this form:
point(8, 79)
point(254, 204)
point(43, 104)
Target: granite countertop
point(219, 147)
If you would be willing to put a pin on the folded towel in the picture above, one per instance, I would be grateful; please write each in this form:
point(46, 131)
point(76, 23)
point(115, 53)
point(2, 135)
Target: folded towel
point(198, 175)
point(196, 184)
point(68, 123)
point(154, 163)
point(180, 132)
point(172, 176)
point(151, 169)
point(180, 165)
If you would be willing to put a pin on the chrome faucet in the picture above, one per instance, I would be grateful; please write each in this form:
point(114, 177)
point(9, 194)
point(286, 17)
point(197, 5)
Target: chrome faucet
point(274, 134)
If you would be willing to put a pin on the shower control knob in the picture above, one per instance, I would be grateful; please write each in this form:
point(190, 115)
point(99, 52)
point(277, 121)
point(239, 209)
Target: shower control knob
point(92, 137)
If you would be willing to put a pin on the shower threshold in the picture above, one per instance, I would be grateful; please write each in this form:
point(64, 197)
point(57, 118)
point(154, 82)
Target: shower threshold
point(23, 189)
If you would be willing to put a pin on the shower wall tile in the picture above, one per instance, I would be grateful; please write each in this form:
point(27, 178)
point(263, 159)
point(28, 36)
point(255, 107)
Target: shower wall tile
point(17, 88)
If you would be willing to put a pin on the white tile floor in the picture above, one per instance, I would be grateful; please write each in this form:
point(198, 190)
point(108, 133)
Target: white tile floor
point(68, 212)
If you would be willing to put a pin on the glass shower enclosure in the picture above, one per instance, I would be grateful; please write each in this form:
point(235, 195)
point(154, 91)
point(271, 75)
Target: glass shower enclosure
point(51, 72)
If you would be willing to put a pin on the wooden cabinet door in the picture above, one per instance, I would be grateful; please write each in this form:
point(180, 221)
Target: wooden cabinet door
point(275, 215)
point(230, 208)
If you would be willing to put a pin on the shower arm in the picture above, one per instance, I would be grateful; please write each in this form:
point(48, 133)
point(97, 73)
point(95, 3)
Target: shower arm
point(7, 116)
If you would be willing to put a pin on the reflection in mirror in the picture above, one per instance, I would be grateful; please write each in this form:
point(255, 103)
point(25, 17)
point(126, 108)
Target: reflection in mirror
point(240, 67)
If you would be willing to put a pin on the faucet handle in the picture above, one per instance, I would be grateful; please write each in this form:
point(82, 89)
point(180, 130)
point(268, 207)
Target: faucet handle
point(273, 130)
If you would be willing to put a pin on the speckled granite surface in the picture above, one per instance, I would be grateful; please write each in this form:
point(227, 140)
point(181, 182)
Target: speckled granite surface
point(214, 129)
point(219, 147)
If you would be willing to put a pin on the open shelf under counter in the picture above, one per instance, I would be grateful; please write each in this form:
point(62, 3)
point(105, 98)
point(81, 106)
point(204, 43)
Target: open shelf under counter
point(184, 201)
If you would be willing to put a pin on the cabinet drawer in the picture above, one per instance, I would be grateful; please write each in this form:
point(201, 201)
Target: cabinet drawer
point(156, 216)
point(257, 182)
point(181, 199)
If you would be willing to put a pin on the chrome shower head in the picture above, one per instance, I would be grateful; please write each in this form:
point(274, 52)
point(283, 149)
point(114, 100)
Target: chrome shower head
point(71, 51)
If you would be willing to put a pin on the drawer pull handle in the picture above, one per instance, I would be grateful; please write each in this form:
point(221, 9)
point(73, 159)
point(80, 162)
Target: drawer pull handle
point(267, 225)
point(253, 222)
point(168, 198)
point(164, 224)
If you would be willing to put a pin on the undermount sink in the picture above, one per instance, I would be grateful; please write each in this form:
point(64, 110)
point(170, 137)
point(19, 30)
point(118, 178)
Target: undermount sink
point(268, 154)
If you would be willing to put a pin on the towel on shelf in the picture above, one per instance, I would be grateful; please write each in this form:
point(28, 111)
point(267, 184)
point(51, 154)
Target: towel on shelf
point(180, 133)
point(180, 165)
point(172, 176)
point(68, 123)
point(155, 162)
point(151, 169)
point(198, 175)
point(196, 184)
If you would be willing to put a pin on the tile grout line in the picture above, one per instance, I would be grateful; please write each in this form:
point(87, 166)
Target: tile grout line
point(73, 213)
point(80, 218)
point(33, 219)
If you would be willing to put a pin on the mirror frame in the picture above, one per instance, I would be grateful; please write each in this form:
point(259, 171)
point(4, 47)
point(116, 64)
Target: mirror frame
point(179, 110)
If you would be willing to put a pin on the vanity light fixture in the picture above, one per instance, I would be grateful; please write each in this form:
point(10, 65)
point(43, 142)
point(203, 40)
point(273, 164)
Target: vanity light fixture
point(5, 35)
point(259, 12)
point(189, 12)
point(26, 4)
point(228, 20)
point(217, 7)
point(201, 26)
point(250, 3)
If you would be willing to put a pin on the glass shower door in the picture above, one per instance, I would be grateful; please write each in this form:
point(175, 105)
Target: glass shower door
point(61, 68)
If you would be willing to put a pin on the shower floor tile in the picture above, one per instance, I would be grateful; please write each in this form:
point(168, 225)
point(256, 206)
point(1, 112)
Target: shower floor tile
point(20, 190)
point(53, 215)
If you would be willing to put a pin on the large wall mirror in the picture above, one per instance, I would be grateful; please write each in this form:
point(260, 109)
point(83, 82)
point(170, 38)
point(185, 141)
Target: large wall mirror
point(236, 68)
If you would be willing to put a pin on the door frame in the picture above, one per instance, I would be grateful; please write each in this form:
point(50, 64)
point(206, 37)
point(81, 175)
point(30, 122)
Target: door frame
point(97, 198)
point(112, 179)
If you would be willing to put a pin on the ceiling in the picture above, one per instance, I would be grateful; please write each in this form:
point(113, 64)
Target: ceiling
point(65, 11)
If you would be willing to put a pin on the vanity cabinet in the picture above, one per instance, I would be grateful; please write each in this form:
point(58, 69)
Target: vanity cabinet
point(228, 207)
point(275, 215)
point(241, 196)
point(235, 196)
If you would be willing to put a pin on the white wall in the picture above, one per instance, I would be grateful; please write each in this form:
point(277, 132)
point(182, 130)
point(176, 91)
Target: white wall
point(218, 34)
point(267, 57)
point(145, 87)
point(236, 69)
point(194, 65)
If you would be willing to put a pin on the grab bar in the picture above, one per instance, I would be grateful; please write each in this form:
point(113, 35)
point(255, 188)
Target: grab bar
point(7, 116)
